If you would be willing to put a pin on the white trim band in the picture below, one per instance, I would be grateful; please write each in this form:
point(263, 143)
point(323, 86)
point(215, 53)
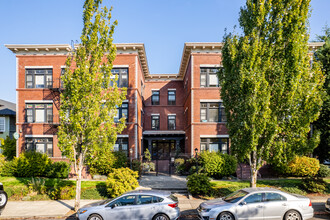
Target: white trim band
point(38, 67)
point(38, 101)
point(154, 114)
point(172, 89)
point(122, 136)
point(171, 114)
point(119, 66)
point(154, 89)
point(210, 65)
point(40, 136)
point(210, 100)
point(215, 136)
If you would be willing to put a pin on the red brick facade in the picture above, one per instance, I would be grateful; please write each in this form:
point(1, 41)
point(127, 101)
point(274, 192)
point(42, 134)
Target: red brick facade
point(189, 127)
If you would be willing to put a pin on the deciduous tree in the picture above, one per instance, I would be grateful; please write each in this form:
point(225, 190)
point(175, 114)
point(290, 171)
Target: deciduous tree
point(270, 91)
point(88, 103)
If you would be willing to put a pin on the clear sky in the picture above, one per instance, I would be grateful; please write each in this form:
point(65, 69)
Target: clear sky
point(162, 25)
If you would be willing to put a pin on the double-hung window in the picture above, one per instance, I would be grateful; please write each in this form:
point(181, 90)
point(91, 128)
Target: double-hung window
point(2, 124)
point(122, 80)
point(212, 112)
point(41, 145)
point(171, 97)
point(38, 78)
point(171, 122)
point(155, 97)
point(155, 122)
point(121, 145)
point(214, 145)
point(209, 77)
point(122, 112)
point(39, 113)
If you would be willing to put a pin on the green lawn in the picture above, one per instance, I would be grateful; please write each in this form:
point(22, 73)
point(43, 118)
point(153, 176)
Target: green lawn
point(18, 188)
point(222, 188)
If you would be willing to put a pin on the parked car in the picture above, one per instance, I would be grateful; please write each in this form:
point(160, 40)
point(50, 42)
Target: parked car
point(3, 198)
point(139, 204)
point(327, 205)
point(257, 203)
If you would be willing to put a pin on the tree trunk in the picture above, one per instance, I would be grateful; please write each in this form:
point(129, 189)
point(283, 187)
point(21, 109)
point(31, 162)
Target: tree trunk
point(253, 168)
point(78, 189)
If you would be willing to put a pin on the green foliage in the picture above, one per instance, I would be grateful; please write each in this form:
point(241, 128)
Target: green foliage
point(217, 165)
point(62, 190)
point(137, 166)
point(88, 102)
point(314, 185)
point(58, 169)
point(9, 168)
point(270, 92)
point(303, 166)
point(323, 123)
point(37, 185)
point(147, 155)
point(103, 163)
point(31, 164)
point(9, 148)
point(121, 180)
point(2, 163)
point(294, 190)
point(199, 184)
point(179, 165)
point(324, 171)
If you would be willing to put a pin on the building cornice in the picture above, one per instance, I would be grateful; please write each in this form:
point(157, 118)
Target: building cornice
point(64, 49)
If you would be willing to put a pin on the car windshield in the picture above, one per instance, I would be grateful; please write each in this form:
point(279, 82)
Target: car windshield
point(235, 196)
point(106, 201)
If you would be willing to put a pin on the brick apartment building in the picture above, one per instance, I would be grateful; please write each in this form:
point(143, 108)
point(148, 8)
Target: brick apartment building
point(169, 114)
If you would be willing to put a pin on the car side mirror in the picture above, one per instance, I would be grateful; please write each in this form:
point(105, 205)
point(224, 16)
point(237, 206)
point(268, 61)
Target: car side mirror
point(114, 205)
point(242, 203)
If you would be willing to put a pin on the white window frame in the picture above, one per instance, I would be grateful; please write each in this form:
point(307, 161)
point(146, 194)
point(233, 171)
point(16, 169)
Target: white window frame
point(2, 125)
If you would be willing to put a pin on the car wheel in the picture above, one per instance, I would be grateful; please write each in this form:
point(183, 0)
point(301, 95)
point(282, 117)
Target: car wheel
point(225, 216)
point(160, 217)
point(292, 215)
point(95, 217)
point(3, 199)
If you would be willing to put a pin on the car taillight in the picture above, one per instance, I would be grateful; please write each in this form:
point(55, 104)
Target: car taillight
point(310, 203)
point(173, 205)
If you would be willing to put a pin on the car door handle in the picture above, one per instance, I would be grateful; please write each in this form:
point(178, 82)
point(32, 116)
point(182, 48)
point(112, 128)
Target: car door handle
point(259, 206)
point(284, 204)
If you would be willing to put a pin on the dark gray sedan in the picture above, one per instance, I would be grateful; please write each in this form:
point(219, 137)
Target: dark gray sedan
point(139, 204)
point(257, 204)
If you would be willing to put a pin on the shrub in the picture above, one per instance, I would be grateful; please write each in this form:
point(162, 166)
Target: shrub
point(199, 184)
point(303, 166)
point(229, 166)
point(9, 148)
point(2, 163)
point(9, 168)
point(104, 162)
point(31, 164)
point(62, 190)
point(59, 169)
point(324, 171)
point(37, 185)
point(136, 166)
point(314, 185)
point(293, 189)
point(148, 166)
point(121, 180)
point(179, 165)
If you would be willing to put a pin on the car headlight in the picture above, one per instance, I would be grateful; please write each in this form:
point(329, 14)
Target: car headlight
point(82, 211)
point(206, 210)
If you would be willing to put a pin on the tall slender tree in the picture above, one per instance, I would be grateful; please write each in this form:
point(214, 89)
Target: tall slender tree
point(323, 123)
point(270, 91)
point(88, 103)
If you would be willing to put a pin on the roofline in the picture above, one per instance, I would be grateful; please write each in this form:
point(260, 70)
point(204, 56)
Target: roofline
point(190, 46)
point(36, 48)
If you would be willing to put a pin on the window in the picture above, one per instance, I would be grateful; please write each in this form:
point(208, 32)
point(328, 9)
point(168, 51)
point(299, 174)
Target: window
point(42, 145)
point(209, 77)
point(257, 197)
point(39, 113)
point(214, 145)
point(213, 112)
point(171, 122)
point(61, 81)
point(155, 98)
point(122, 74)
point(2, 124)
point(122, 112)
point(171, 97)
point(39, 78)
point(121, 145)
point(124, 201)
point(156, 199)
point(269, 197)
point(144, 199)
point(155, 122)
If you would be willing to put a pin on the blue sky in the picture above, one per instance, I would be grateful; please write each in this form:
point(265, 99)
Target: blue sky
point(162, 25)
